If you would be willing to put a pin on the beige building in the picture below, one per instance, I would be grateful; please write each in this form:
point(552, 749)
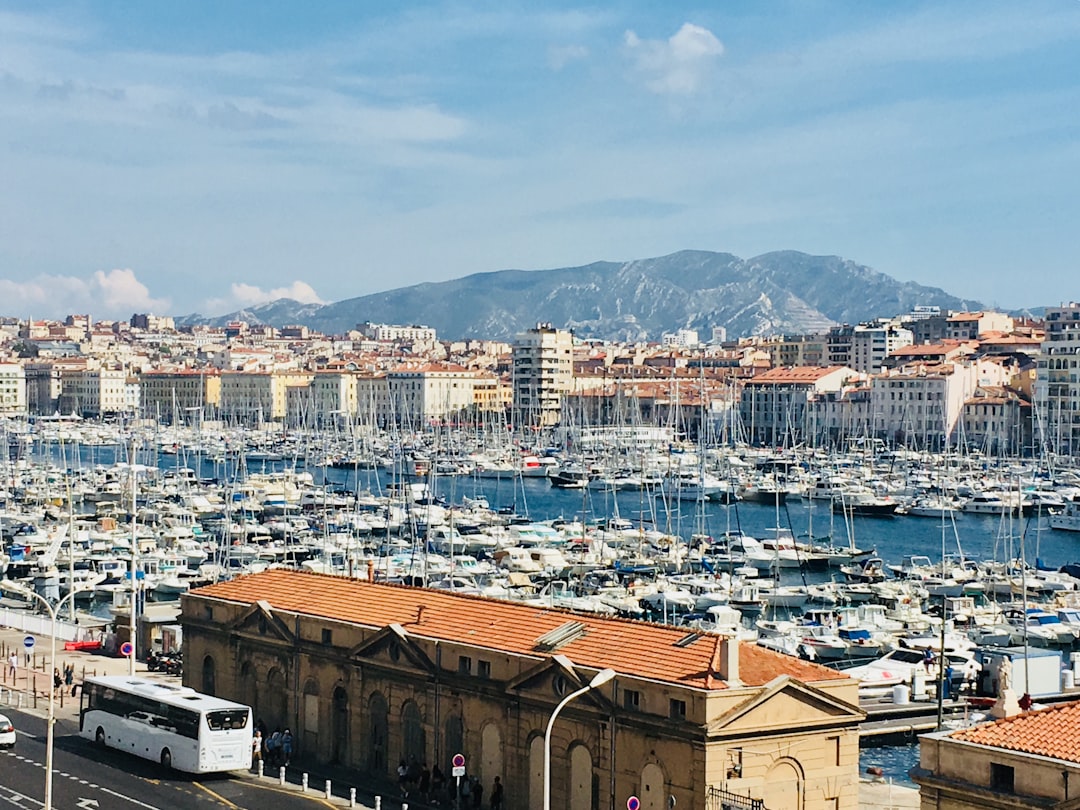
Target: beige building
point(367, 675)
point(255, 395)
point(97, 392)
point(543, 361)
point(1025, 761)
point(177, 395)
point(969, 325)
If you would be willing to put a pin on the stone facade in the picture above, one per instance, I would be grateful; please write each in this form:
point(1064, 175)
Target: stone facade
point(365, 692)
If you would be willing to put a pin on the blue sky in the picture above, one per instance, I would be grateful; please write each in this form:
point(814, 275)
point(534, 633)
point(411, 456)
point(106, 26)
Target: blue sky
point(203, 156)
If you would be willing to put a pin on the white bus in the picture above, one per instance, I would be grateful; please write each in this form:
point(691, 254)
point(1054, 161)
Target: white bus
point(173, 725)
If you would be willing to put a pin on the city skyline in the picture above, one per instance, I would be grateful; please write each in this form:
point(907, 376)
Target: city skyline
point(205, 158)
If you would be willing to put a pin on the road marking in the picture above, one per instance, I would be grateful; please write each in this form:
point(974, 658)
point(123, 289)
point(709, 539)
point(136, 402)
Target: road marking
point(276, 788)
point(217, 796)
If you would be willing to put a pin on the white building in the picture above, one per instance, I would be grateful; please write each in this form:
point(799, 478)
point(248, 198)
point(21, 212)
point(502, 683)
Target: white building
point(97, 392)
point(432, 392)
point(392, 333)
point(872, 343)
point(1057, 384)
point(682, 338)
point(923, 405)
point(12, 389)
point(543, 374)
point(253, 396)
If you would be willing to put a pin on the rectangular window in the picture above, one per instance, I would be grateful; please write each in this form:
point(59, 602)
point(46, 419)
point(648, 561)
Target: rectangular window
point(327, 636)
point(483, 669)
point(834, 750)
point(464, 665)
point(1001, 777)
point(631, 699)
point(677, 709)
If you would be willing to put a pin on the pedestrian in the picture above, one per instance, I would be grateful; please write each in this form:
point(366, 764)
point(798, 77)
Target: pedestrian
point(477, 793)
point(69, 676)
point(273, 748)
point(286, 748)
point(256, 750)
point(438, 784)
point(13, 664)
point(425, 781)
point(403, 779)
point(57, 681)
point(497, 795)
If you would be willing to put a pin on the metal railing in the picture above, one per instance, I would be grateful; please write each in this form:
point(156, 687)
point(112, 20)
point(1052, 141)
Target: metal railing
point(721, 799)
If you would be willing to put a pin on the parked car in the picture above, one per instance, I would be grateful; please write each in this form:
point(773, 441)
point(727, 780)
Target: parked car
point(7, 733)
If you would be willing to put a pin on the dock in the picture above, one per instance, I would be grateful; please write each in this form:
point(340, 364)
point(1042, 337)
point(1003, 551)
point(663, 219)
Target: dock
point(890, 723)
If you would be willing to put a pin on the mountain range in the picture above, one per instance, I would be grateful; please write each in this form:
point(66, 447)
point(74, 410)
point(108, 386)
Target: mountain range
point(780, 292)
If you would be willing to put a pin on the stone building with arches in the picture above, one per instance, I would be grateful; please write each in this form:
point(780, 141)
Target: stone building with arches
point(366, 675)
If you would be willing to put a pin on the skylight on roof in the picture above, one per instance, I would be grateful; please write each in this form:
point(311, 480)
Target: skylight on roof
point(687, 640)
point(560, 636)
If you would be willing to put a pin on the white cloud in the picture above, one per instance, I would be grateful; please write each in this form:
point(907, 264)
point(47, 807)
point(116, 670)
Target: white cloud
point(678, 66)
point(559, 56)
point(249, 295)
point(106, 294)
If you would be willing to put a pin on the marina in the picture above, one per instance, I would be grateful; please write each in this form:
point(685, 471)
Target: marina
point(832, 557)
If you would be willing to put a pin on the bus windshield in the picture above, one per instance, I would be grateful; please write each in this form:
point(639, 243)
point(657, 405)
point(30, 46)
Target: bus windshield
point(227, 719)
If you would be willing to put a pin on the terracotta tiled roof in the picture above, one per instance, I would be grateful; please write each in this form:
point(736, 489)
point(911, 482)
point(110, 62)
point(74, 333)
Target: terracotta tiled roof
point(795, 374)
point(630, 647)
point(1053, 732)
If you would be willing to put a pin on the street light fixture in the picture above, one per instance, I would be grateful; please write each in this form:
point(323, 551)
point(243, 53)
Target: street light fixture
point(599, 679)
point(52, 611)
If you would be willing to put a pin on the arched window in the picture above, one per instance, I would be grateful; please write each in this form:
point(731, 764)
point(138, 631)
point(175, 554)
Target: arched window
point(536, 772)
point(249, 694)
point(453, 740)
point(209, 683)
point(651, 793)
point(784, 785)
point(413, 742)
point(276, 700)
point(378, 727)
point(309, 718)
point(491, 754)
point(339, 727)
point(581, 787)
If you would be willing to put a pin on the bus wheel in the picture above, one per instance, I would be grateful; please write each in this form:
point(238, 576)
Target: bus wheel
point(166, 759)
point(99, 736)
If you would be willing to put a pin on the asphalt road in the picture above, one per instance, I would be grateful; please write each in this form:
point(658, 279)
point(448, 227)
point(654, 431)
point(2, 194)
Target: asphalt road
point(88, 777)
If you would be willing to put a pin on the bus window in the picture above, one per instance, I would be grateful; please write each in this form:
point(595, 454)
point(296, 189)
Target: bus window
point(227, 719)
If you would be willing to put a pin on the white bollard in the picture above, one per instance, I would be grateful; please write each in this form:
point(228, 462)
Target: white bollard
point(352, 797)
point(328, 793)
point(281, 775)
point(378, 803)
point(303, 784)
point(260, 769)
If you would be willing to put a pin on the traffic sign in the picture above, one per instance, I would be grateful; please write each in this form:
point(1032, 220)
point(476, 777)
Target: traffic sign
point(127, 648)
point(458, 763)
point(633, 803)
point(28, 642)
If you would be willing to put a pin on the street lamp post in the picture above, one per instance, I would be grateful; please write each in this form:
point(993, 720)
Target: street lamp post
point(599, 679)
point(53, 611)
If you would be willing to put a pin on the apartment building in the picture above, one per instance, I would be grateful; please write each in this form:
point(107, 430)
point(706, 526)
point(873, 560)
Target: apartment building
point(98, 392)
point(12, 389)
point(543, 368)
point(253, 396)
point(181, 395)
point(1057, 386)
point(774, 406)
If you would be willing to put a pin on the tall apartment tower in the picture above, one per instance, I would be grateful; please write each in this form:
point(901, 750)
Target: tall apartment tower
point(1057, 385)
point(543, 374)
